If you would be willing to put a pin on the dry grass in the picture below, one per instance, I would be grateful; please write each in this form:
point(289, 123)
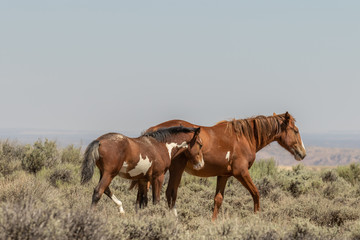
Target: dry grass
point(296, 203)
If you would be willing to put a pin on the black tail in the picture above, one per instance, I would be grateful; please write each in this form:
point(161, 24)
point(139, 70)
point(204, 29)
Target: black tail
point(90, 157)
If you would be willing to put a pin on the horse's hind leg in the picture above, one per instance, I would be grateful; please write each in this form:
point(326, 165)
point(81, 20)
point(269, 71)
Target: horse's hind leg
point(219, 195)
point(104, 182)
point(115, 199)
point(142, 199)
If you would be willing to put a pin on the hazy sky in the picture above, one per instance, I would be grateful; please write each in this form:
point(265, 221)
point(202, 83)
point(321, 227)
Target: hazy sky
point(127, 65)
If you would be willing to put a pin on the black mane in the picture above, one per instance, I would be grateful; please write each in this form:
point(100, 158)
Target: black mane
point(163, 134)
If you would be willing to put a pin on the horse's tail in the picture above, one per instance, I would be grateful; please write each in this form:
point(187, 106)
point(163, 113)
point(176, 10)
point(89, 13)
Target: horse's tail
point(90, 157)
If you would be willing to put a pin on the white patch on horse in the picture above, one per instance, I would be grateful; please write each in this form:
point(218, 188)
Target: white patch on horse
point(142, 167)
point(117, 137)
point(170, 146)
point(227, 157)
point(118, 202)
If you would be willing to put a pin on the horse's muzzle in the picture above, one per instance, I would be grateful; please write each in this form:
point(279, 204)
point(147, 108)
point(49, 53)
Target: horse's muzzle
point(299, 153)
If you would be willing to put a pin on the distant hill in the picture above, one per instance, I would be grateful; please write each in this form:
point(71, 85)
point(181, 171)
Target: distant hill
point(330, 149)
point(316, 156)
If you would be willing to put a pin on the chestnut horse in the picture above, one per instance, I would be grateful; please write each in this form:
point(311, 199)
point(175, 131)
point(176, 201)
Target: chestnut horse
point(145, 158)
point(229, 149)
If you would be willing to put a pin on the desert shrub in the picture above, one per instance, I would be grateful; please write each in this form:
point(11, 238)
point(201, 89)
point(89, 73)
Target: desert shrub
point(334, 215)
point(7, 166)
point(265, 186)
point(331, 191)
point(250, 227)
point(295, 188)
point(11, 150)
point(11, 155)
point(302, 230)
point(71, 154)
point(357, 192)
point(26, 220)
point(22, 186)
point(350, 173)
point(149, 227)
point(60, 175)
point(83, 224)
point(329, 176)
point(262, 168)
point(298, 181)
point(354, 231)
point(39, 155)
point(299, 168)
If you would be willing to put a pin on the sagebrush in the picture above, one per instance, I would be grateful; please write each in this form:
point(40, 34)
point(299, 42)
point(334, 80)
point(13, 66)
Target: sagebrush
point(44, 200)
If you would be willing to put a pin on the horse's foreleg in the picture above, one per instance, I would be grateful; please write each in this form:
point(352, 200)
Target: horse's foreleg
point(243, 176)
point(176, 170)
point(219, 195)
point(115, 199)
point(156, 188)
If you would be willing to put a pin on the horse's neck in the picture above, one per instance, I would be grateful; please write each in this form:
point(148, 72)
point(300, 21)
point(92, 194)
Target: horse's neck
point(265, 140)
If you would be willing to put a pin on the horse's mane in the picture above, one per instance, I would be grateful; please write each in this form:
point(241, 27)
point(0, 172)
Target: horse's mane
point(163, 134)
point(260, 128)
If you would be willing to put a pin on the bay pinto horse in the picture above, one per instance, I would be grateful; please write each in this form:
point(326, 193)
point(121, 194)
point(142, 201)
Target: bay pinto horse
point(229, 149)
point(145, 158)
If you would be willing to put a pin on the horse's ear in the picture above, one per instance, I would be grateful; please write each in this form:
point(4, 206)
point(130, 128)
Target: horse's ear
point(287, 118)
point(274, 114)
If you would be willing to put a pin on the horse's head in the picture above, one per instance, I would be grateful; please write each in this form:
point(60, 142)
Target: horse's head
point(193, 151)
point(290, 139)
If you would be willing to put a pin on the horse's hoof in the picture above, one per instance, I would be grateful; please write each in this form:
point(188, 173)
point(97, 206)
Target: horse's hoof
point(174, 211)
point(121, 211)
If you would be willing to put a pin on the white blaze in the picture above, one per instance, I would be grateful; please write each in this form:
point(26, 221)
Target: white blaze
point(170, 146)
point(302, 144)
point(227, 157)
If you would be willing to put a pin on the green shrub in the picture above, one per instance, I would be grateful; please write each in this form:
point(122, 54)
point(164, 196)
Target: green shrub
point(334, 215)
point(71, 154)
point(298, 169)
point(11, 155)
point(12, 150)
point(265, 186)
point(60, 175)
point(302, 230)
point(332, 190)
point(329, 176)
point(295, 188)
point(262, 168)
point(83, 224)
point(350, 173)
point(26, 220)
point(40, 155)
